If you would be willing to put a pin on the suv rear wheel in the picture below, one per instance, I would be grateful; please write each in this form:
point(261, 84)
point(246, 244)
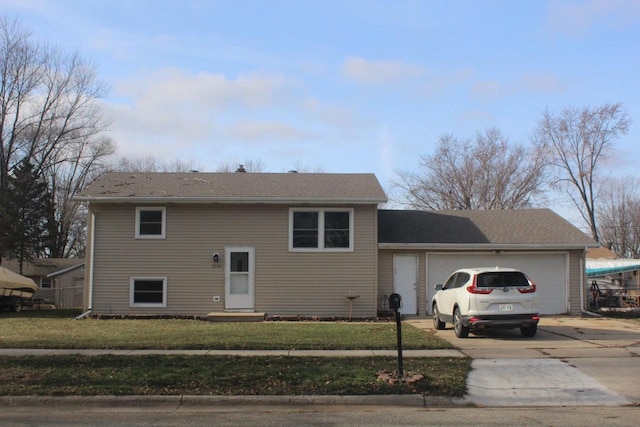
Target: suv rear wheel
point(437, 323)
point(529, 331)
point(461, 330)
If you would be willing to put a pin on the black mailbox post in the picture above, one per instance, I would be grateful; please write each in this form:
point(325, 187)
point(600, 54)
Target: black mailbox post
point(395, 302)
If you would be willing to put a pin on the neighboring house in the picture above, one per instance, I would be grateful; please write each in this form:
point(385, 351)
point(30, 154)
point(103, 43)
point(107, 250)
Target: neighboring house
point(301, 244)
point(68, 284)
point(604, 267)
point(60, 280)
point(419, 249)
point(195, 243)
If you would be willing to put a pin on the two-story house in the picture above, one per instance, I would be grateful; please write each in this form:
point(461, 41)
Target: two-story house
point(290, 244)
point(196, 243)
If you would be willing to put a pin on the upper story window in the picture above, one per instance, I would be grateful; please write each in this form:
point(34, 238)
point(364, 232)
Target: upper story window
point(329, 229)
point(150, 223)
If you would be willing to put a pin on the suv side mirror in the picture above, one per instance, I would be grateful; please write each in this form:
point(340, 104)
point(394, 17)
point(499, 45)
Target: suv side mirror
point(438, 287)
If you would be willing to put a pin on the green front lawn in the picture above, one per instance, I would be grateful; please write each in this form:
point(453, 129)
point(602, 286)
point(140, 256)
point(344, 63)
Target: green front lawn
point(224, 375)
point(46, 329)
point(215, 375)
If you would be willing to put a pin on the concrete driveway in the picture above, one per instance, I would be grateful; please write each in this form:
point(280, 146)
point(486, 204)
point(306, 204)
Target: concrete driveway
point(571, 361)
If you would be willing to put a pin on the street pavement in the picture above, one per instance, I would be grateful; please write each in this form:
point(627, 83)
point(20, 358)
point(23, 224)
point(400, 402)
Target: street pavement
point(572, 361)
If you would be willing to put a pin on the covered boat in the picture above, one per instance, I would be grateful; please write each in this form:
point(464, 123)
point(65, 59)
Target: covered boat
point(15, 285)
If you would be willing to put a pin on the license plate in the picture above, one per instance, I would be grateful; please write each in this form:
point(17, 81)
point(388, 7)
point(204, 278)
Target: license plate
point(505, 307)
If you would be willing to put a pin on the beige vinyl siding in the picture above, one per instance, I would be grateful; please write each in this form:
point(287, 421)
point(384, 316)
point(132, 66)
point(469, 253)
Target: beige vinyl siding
point(386, 273)
point(86, 298)
point(577, 276)
point(286, 283)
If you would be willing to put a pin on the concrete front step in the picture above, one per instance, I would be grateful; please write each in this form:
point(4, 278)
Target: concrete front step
point(235, 317)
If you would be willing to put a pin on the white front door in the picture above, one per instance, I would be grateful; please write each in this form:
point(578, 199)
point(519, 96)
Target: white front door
point(405, 281)
point(239, 284)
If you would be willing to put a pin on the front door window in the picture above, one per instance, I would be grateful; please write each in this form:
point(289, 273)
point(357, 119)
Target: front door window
point(239, 278)
point(239, 273)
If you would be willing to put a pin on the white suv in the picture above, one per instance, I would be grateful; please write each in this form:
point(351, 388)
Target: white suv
point(479, 298)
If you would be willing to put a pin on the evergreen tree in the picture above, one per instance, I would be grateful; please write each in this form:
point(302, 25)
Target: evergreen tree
point(26, 212)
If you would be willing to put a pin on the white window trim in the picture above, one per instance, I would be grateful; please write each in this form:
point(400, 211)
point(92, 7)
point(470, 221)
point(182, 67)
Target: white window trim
point(162, 235)
point(132, 282)
point(321, 247)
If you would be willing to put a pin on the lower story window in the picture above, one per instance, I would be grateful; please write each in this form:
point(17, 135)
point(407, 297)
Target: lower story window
point(148, 292)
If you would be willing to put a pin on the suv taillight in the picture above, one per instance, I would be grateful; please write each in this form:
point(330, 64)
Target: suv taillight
point(473, 289)
point(529, 290)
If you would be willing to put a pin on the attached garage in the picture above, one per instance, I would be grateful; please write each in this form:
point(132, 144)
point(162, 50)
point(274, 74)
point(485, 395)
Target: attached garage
point(537, 241)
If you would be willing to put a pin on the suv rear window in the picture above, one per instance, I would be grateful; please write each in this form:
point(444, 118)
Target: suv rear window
point(502, 279)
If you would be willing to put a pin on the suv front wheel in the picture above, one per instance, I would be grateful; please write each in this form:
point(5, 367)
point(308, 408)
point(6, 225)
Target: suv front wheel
point(461, 330)
point(437, 323)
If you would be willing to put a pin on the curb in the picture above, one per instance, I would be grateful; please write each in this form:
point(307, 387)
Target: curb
point(410, 400)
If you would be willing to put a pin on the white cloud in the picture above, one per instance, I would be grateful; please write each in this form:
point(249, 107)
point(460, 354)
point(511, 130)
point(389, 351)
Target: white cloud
point(172, 104)
point(171, 113)
point(576, 18)
point(175, 89)
point(380, 72)
point(529, 83)
point(445, 81)
point(261, 130)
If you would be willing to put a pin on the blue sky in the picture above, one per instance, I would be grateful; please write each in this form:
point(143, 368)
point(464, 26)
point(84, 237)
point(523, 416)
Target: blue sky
point(345, 86)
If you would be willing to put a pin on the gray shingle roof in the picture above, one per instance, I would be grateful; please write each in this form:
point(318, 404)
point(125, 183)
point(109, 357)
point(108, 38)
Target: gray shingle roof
point(42, 266)
point(236, 187)
point(525, 228)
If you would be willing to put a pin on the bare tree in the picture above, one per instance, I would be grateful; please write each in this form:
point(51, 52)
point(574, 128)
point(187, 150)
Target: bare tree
point(252, 166)
point(619, 217)
point(486, 173)
point(578, 141)
point(151, 164)
point(300, 167)
point(49, 116)
point(82, 164)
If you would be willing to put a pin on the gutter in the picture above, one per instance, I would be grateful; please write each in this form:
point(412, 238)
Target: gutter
point(92, 234)
point(497, 247)
point(232, 199)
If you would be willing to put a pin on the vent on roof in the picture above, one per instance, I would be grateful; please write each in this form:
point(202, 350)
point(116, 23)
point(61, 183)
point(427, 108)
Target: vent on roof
point(241, 169)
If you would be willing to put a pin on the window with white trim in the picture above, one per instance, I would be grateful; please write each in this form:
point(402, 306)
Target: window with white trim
point(329, 229)
point(148, 292)
point(150, 222)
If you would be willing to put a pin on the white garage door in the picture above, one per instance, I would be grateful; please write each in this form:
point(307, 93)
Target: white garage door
point(548, 271)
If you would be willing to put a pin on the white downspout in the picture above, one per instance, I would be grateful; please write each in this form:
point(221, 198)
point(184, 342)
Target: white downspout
point(92, 235)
